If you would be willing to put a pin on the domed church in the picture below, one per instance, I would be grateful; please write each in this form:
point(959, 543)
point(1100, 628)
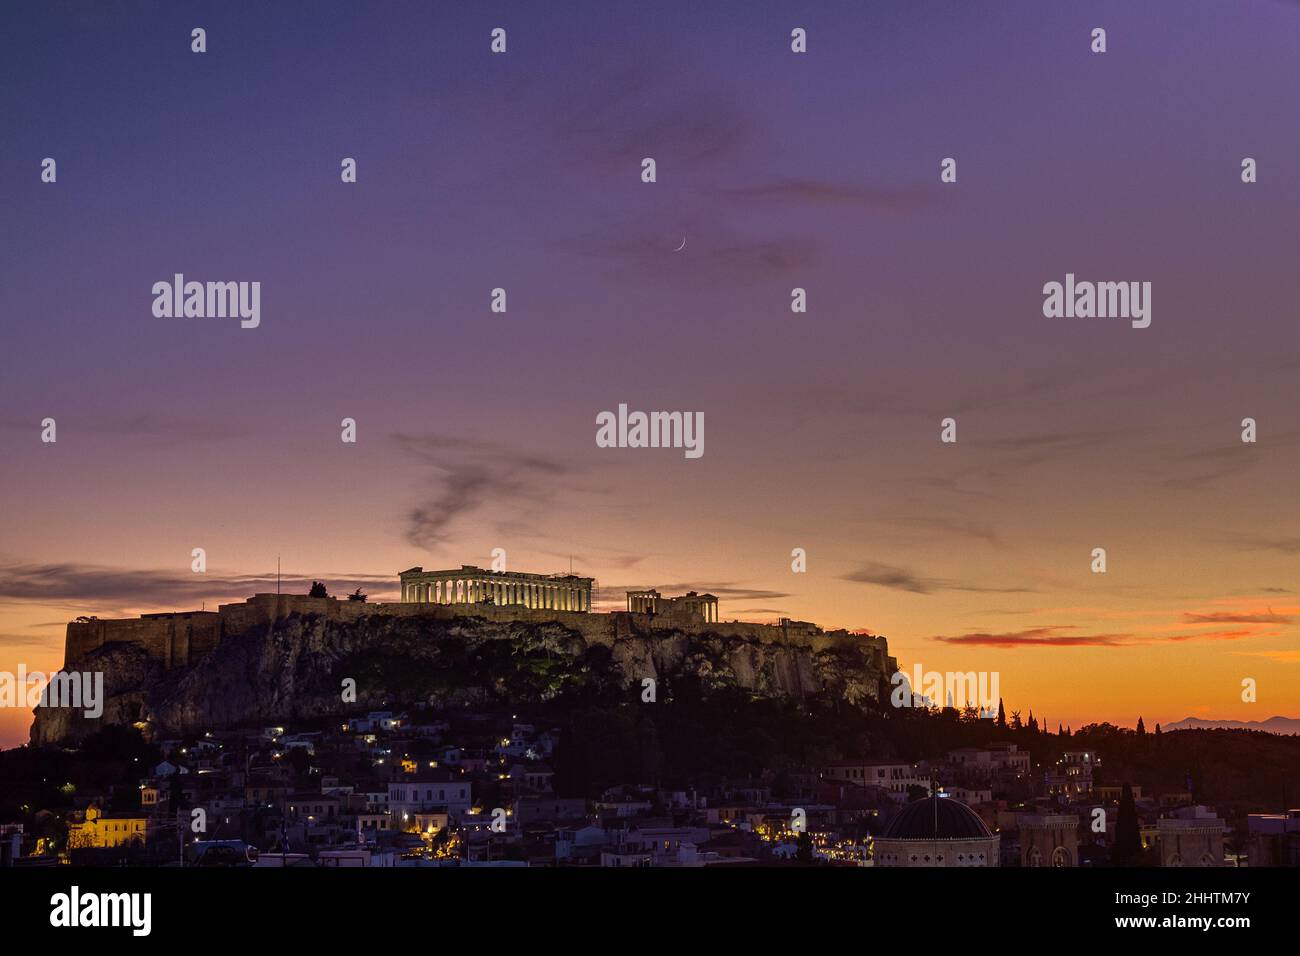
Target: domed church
point(937, 831)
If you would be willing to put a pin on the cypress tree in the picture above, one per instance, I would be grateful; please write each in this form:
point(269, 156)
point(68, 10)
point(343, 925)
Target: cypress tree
point(1128, 838)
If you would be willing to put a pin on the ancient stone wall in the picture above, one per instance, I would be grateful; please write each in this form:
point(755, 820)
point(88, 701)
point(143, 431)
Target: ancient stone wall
point(182, 639)
point(176, 640)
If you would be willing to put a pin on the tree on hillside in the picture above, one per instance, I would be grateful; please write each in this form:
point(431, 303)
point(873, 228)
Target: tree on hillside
point(804, 848)
point(652, 754)
point(1141, 730)
point(1001, 722)
point(318, 589)
point(357, 595)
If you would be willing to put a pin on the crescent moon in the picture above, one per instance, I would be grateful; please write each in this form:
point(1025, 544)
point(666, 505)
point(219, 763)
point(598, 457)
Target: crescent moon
point(682, 246)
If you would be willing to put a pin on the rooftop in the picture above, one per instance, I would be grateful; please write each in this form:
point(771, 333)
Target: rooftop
point(936, 818)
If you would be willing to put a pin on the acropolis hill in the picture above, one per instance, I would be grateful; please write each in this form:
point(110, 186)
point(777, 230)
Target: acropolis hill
point(455, 635)
point(183, 638)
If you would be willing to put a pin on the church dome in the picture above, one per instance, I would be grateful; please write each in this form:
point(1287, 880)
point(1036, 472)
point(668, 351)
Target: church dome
point(936, 818)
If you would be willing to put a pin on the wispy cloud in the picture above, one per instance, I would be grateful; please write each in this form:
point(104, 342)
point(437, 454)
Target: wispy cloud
point(825, 192)
point(1197, 469)
point(96, 589)
point(1024, 451)
point(1284, 544)
point(1231, 618)
point(1059, 636)
point(614, 123)
point(713, 253)
point(901, 579)
point(728, 590)
point(1280, 657)
point(947, 527)
point(468, 475)
point(48, 641)
point(1050, 636)
point(146, 429)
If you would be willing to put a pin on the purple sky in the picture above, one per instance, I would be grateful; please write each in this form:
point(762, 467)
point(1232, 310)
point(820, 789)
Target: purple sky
point(780, 170)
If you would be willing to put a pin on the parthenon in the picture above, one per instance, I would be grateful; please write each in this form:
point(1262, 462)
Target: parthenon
point(471, 585)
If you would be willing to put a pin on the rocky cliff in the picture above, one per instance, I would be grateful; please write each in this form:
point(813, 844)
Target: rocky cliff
point(296, 668)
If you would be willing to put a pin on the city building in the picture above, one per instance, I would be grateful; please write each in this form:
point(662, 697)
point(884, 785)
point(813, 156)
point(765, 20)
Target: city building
point(432, 790)
point(937, 831)
point(986, 762)
point(1112, 793)
point(894, 777)
point(100, 829)
point(1072, 776)
point(1274, 838)
point(1191, 836)
point(1048, 839)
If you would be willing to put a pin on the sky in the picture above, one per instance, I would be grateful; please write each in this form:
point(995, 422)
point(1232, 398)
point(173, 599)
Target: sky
point(476, 430)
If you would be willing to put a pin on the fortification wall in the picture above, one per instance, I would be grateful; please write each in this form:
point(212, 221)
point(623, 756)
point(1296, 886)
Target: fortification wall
point(181, 639)
point(175, 640)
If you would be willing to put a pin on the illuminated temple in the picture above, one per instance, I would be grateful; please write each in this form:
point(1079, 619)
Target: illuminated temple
point(652, 602)
point(471, 585)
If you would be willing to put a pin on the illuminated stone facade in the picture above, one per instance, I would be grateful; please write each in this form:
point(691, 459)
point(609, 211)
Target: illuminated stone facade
point(471, 585)
point(652, 602)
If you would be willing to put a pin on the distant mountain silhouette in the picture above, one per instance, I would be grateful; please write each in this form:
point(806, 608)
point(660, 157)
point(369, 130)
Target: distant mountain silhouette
point(1274, 725)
